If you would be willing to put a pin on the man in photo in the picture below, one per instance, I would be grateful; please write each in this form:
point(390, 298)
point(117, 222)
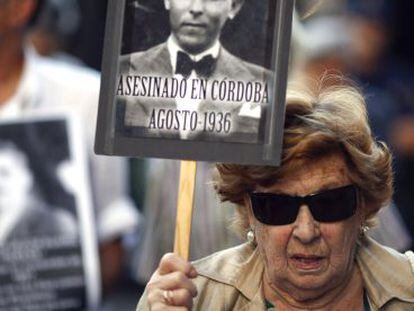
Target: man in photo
point(190, 86)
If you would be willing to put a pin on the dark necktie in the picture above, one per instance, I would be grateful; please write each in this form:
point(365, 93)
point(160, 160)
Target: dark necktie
point(203, 67)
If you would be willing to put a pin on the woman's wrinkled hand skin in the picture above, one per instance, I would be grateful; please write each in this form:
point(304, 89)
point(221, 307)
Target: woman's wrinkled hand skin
point(170, 287)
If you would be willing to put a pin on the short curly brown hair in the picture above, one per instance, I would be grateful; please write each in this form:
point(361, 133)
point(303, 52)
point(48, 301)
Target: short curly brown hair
point(319, 119)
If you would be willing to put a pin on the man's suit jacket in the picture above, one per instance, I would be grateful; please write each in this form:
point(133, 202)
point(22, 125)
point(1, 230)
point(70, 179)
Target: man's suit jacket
point(246, 118)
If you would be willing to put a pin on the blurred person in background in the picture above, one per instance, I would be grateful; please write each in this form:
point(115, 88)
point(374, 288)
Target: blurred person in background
point(30, 85)
point(388, 80)
point(354, 40)
point(209, 222)
point(55, 30)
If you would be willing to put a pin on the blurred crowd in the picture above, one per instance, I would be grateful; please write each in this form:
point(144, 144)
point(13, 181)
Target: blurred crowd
point(60, 48)
point(368, 42)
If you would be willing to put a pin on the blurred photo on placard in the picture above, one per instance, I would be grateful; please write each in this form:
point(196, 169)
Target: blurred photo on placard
point(42, 217)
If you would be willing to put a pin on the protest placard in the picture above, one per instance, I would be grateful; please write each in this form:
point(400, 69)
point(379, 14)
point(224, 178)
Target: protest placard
point(183, 85)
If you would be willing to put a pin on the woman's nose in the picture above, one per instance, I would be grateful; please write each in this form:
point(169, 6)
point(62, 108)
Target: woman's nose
point(306, 228)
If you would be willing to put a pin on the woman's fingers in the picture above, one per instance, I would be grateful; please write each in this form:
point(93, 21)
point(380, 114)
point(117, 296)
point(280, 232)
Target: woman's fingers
point(172, 281)
point(170, 287)
point(163, 307)
point(170, 262)
point(161, 299)
point(181, 297)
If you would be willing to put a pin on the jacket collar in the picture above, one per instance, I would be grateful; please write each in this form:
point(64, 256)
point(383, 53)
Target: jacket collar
point(386, 273)
point(239, 267)
point(249, 279)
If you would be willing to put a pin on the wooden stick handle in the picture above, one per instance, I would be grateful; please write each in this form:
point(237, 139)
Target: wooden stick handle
point(185, 208)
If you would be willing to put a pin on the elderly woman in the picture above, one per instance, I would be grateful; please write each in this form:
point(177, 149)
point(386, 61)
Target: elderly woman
point(305, 223)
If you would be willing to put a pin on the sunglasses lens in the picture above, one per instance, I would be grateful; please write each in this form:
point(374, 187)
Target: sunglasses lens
point(334, 205)
point(329, 206)
point(272, 209)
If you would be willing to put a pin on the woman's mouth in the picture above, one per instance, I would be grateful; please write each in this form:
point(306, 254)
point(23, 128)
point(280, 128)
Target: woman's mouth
point(307, 262)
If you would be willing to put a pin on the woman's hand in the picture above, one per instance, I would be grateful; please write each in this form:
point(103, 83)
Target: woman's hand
point(170, 287)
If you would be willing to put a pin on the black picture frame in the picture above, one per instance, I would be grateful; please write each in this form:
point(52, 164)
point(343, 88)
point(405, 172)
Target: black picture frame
point(259, 35)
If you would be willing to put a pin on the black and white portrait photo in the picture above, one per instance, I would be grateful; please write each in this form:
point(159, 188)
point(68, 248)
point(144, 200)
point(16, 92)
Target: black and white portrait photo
point(43, 252)
point(197, 80)
point(33, 200)
point(196, 69)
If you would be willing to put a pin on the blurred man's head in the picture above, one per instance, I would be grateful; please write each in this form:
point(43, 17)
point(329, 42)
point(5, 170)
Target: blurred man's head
point(16, 15)
point(197, 24)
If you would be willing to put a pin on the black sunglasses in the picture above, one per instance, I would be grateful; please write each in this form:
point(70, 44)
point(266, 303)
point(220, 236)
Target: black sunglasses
point(328, 206)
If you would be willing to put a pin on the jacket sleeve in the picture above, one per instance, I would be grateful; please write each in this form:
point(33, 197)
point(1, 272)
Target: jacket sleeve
point(410, 255)
point(143, 303)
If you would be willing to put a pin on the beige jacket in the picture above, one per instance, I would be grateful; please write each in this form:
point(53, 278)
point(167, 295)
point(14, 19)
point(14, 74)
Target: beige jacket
point(231, 279)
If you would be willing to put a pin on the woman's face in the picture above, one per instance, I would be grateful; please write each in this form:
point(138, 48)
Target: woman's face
point(308, 256)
